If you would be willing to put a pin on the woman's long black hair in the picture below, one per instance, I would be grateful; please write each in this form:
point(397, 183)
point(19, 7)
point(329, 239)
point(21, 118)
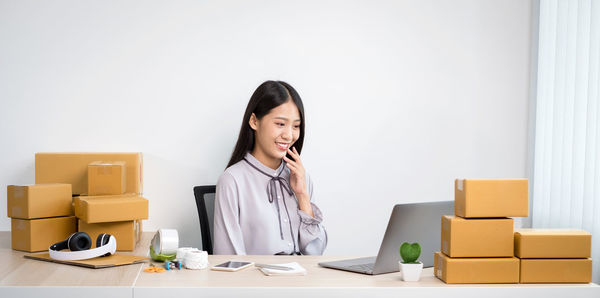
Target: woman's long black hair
point(267, 96)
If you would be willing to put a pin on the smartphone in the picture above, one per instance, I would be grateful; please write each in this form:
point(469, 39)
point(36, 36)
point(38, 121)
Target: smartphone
point(288, 155)
point(232, 266)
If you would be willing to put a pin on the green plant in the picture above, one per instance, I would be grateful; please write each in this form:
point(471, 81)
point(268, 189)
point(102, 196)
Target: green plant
point(410, 252)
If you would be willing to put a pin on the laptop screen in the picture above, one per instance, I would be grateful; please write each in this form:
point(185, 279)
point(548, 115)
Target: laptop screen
point(418, 222)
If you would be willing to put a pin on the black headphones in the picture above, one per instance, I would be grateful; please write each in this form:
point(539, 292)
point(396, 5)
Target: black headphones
point(80, 243)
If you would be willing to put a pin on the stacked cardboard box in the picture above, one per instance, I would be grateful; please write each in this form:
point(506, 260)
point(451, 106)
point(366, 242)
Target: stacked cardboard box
point(477, 243)
point(41, 215)
point(118, 215)
point(73, 168)
point(113, 204)
point(554, 256)
point(106, 178)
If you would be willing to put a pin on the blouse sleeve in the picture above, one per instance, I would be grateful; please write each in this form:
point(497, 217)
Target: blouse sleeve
point(312, 233)
point(228, 238)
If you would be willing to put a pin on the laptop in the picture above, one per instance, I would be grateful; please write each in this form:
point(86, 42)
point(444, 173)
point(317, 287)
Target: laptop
point(418, 222)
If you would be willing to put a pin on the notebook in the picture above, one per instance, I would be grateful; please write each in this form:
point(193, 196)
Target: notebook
point(297, 270)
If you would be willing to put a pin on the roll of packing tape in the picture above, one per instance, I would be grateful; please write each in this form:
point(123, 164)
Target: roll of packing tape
point(195, 259)
point(165, 241)
point(181, 252)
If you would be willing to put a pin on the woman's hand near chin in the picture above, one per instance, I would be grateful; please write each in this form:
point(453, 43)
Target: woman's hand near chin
point(298, 180)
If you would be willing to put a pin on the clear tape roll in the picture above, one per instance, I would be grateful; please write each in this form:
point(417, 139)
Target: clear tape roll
point(196, 259)
point(166, 241)
point(181, 252)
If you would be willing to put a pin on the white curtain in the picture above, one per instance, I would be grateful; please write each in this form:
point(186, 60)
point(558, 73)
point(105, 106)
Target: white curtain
point(566, 168)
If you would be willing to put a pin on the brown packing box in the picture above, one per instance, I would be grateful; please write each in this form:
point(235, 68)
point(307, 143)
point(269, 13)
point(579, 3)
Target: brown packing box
point(475, 270)
point(97, 209)
point(106, 178)
point(72, 168)
point(39, 201)
point(488, 237)
point(556, 270)
point(491, 198)
point(552, 243)
point(127, 233)
point(38, 234)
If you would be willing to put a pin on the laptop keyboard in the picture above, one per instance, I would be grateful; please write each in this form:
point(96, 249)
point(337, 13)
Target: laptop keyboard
point(363, 267)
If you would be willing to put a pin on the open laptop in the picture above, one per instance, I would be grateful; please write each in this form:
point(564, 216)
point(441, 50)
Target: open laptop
point(419, 222)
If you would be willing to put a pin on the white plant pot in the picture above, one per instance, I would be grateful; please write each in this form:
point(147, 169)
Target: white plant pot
point(411, 272)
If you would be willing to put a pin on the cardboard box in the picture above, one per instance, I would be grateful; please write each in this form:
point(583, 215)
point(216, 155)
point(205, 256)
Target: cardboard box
point(128, 233)
point(39, 201)
point(491, 198)
point(106, 178)
point(486, 237)
point(72, 168)
point(556, 270)
point(552, 243)
point(95, 263)
point(475, 270)
point(38, 234)
point(97, 209)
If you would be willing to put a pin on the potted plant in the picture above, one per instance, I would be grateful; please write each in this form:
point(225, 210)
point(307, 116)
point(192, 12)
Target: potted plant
point(409, 266)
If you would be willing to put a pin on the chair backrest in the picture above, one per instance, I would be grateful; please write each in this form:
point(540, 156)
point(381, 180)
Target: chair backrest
point(205, 202)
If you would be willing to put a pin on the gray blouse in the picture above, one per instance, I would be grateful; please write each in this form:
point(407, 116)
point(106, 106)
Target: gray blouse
point(257, 213)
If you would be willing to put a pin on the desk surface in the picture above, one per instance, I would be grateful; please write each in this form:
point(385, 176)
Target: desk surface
point(18, 271)
point(20, 276)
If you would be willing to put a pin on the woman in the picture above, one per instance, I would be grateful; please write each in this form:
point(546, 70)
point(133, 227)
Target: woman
point(264, 198)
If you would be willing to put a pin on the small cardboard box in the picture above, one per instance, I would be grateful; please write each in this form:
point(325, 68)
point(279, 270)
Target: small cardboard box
point(491, 198)
point(72, 168)
point(552, 243)
point(97, 209)
point(39, 201)
point(106, 178)
point(127, 233)
point(556, 270)
point(38, 234)
point(475, 270)
point(485, 237)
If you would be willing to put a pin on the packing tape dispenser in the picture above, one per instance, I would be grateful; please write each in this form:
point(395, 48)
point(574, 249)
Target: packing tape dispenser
point(164, 245)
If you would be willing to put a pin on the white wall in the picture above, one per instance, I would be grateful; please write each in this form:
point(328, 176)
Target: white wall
point(401, 97)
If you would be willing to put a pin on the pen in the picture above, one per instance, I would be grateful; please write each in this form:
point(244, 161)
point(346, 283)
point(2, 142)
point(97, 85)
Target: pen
point(276, 267)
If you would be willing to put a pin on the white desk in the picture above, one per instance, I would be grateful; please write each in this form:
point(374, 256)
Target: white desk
point(20, 277)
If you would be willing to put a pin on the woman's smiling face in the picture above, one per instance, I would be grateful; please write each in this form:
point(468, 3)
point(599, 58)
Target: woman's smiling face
point(275, 133)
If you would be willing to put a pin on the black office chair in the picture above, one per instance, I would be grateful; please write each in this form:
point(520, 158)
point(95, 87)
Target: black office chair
point(205, 202)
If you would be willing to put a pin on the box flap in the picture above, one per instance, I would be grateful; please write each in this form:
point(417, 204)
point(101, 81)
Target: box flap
point(552, 232)
point(95, 263)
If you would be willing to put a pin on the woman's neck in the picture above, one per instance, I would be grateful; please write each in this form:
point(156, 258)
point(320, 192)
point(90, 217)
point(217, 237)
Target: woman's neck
point(272, 163)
